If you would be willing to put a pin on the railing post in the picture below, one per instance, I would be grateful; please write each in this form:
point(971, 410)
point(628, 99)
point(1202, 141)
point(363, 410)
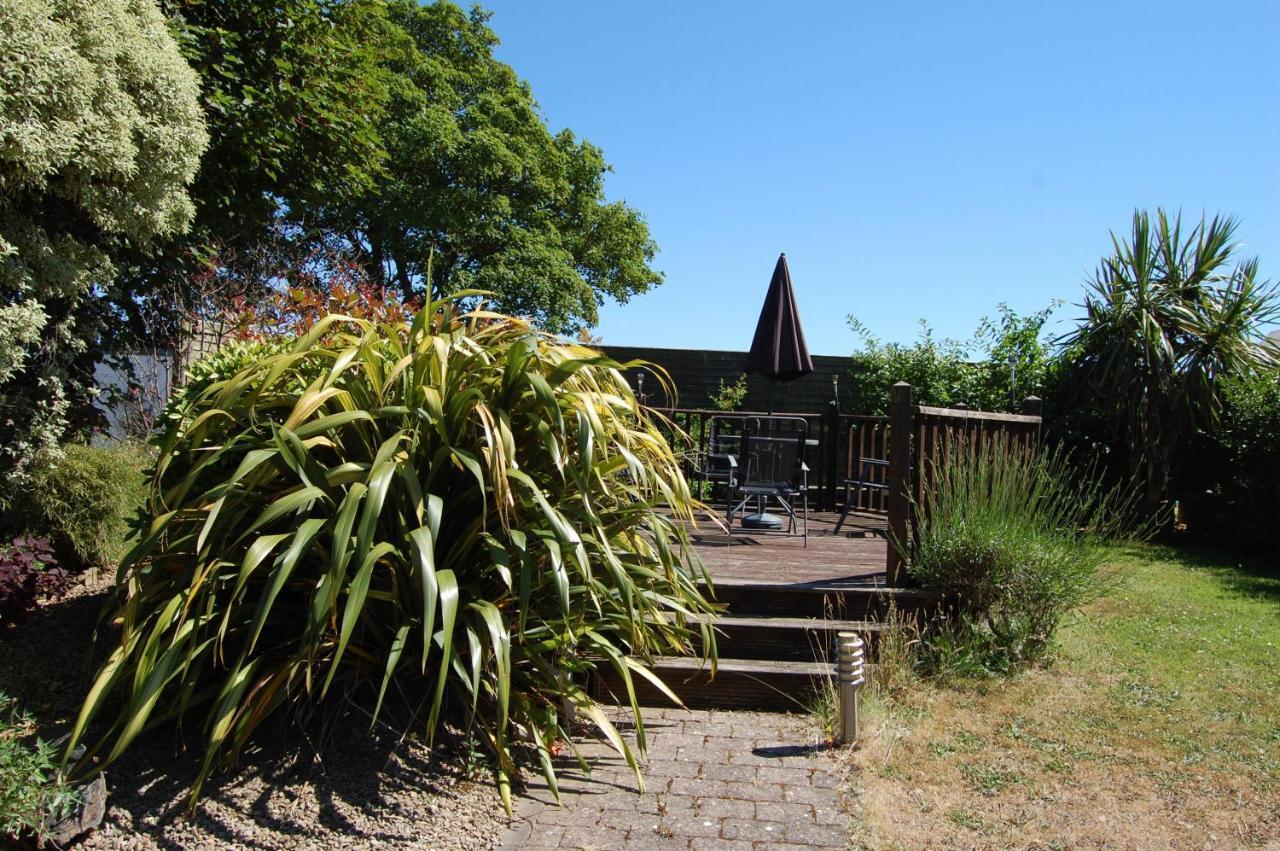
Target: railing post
point(1031, 408)
point(830, 456)
point(899, 478)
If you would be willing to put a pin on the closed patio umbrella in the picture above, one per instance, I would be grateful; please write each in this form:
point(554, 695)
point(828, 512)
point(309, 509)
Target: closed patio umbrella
point(778, 351)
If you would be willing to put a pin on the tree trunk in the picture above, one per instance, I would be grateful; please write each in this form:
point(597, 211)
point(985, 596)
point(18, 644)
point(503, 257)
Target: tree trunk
point(402, 276)
point(377, 271)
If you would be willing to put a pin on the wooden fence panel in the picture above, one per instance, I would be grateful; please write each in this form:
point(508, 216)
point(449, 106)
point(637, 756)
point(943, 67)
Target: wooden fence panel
point(930, 434)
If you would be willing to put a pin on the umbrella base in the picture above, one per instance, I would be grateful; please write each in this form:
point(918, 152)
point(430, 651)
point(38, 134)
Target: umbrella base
point(762, 521)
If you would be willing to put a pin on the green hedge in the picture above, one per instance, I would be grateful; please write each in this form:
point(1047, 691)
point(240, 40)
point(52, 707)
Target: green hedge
point(1234, 472)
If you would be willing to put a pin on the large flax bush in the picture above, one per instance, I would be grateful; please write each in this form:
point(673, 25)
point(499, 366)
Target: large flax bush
point(460, 512)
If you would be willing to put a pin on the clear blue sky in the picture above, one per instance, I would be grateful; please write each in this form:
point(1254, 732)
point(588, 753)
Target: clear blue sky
point(926, 159)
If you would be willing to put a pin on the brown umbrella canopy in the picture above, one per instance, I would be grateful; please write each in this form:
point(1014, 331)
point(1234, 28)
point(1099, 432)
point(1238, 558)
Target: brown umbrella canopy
point(778, 350)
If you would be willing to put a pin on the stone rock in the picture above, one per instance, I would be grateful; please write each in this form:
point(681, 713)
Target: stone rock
point(86, 816)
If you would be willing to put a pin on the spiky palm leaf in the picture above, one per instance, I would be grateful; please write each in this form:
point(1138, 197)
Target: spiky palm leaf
point(464, 507)
point(1168, 315)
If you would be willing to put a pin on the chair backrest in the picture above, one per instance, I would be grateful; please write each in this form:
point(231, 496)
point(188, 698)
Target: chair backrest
point(772, 450)
point(724, 434)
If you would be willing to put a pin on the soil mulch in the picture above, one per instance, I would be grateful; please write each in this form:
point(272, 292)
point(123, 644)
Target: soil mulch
point(359, 790)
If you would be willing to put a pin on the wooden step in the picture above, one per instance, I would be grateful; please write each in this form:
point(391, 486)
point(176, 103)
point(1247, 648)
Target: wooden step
point(820, 600)
point(766, 685)
point(785, 639)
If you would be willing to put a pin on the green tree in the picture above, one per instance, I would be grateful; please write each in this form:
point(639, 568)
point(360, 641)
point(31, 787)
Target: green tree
point(479, 191)
point(293, 92)
point(1169, 315)
point(100, 135)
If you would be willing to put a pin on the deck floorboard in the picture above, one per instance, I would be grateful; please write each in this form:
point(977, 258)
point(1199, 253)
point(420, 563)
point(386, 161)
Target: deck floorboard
point(847, 558)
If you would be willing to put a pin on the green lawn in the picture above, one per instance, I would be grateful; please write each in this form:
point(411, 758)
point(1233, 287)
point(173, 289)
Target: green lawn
point(1157, 725)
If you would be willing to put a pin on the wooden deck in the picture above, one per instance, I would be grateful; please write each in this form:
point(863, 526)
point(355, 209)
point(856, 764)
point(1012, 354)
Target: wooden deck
point(853, 558)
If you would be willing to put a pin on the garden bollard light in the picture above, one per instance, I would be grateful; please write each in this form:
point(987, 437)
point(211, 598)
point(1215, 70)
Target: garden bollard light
point(851, 670)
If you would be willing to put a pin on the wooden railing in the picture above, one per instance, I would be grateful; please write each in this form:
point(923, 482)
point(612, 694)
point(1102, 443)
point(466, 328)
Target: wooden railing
point(839, 443)
point(933, 431)
point(842, 442)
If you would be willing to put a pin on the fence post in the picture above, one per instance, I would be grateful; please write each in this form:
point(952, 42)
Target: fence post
point(830, 454)
point(1031, 408)
point(899, 478)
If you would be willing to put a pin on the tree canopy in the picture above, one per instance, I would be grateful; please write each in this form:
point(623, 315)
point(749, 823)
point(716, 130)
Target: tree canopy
point(387, 133)
point(479, 193)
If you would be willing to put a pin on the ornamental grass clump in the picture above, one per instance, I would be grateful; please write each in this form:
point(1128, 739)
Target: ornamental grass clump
point(1016, 537)
point(461, 512)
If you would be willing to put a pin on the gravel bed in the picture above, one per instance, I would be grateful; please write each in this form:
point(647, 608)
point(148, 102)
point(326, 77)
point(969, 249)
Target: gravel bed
point(364, 791)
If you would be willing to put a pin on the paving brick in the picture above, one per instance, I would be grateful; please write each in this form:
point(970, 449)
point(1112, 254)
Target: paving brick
point(666, 769)
point(744, 756)
point(826, 777)
point(806, 794)
point(734, 773)
point(832, 814)
point(752, 791)
point(568, 816)
point(691, 825)
point(783, 776)
point(725, 808)
point(815, 834)
point(653, 842)
point(674, 803)
point(593, 838)
point(784, 812)
point(752, 830)
point(697, 788)
point(706, 844)
point(545, 834)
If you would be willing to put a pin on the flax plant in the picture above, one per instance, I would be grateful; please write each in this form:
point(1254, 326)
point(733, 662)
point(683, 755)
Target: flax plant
point(463, 507)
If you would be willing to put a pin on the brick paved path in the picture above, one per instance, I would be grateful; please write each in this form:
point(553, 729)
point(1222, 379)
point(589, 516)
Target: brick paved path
point(714, 780)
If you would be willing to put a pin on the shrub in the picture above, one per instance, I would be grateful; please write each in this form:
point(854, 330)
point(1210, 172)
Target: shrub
point(1015, 536)
point(28, 571)
point(464, 508)
point(947, 372)
point(230, 359)
point(30, 786)
point(83, 500)
point(1234, 488)
point(729, 397)
point(1170, 316)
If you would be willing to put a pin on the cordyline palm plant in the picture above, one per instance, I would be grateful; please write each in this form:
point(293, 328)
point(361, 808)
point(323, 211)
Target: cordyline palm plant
point(1169, 315)
point(463, 507)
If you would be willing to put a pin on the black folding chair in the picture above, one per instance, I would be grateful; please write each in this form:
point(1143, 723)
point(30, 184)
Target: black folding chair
point(771, 468)
point(870, 479)
point(717, 464)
